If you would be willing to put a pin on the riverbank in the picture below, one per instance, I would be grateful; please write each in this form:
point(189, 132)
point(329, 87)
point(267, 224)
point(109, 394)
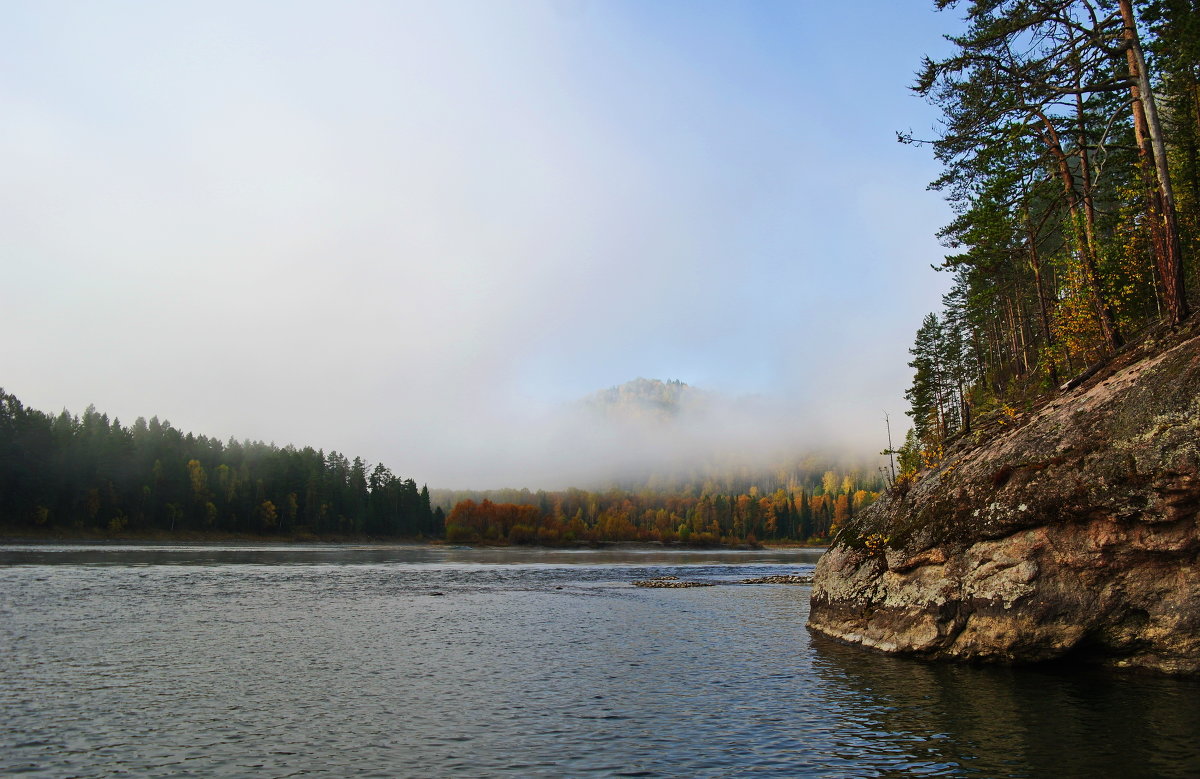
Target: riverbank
point(23, 535)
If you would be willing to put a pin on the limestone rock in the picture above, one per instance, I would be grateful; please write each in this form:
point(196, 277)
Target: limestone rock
point(1070, 530)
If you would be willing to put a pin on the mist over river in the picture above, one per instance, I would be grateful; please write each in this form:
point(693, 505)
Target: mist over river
point(273, 661)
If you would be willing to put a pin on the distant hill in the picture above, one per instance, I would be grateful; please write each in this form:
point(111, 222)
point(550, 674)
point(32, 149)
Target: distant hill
point(705, 441)
point(668, 438)
point(646, 399)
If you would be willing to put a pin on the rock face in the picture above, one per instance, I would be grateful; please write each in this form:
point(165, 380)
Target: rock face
point(1070, 530)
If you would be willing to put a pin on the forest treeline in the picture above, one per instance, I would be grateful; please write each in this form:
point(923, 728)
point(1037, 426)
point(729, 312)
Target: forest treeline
point(1070, 145)
point(69, 473)
point(795, 512)
point(87, 473)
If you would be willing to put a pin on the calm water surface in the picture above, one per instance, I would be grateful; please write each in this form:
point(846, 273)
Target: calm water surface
point(342, 661)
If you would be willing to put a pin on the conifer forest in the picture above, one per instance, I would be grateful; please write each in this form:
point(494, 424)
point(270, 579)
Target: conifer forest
point(1070, 146)
point(88, 474)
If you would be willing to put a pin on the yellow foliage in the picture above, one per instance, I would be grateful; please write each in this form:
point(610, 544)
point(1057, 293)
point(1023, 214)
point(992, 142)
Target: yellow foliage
point(876, 544)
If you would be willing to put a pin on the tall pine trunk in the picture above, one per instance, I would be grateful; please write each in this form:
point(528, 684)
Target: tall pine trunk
point(1104, 313)
point(1035, 264)
point(1152, 152)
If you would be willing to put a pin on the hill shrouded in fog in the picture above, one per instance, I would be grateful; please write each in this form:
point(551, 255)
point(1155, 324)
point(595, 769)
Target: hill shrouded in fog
point(657, 440)
point(675, 464)
point(648, 430)
point(646, 399)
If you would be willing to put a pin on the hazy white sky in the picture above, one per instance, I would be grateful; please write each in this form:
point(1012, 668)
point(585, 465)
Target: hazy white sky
point(412, 230)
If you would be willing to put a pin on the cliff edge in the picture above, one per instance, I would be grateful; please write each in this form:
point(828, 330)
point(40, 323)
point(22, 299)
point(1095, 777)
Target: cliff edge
point(1072, 530)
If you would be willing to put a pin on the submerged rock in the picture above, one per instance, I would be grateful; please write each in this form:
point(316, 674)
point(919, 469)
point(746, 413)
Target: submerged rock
point(779, 579)
point(1071, 530)
point(670, 583)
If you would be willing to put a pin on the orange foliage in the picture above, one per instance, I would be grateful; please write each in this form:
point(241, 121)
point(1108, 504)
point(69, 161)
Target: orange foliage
point(575, 516)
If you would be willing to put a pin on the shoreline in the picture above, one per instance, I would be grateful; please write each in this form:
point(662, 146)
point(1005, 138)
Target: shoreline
point(26, 537)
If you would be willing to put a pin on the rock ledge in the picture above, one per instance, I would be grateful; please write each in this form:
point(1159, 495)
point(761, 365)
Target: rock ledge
point(1073, 531)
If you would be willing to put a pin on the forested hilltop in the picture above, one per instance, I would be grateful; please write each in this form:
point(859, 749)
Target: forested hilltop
point(1071, 150)
point(89, 474)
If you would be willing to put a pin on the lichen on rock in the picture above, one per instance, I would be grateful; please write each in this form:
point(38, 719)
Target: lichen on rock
point(1073, 532)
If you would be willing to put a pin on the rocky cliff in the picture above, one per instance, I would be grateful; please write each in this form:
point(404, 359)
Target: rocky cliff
point(1071, 530)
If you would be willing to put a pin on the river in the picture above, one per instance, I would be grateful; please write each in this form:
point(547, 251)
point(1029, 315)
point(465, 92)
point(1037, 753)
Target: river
point(274, 661)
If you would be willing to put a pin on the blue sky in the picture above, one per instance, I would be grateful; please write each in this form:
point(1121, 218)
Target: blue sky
point(412, 231)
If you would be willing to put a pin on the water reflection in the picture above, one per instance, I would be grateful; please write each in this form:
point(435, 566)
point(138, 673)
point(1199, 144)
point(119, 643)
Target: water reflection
point(997, 721)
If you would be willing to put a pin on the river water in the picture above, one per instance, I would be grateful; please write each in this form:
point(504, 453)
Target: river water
point(278, 661)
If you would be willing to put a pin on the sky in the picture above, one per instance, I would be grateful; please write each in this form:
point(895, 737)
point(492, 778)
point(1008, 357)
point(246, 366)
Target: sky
point(417, 232)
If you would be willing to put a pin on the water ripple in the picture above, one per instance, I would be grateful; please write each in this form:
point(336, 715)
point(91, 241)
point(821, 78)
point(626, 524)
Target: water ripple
point(211, 662)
